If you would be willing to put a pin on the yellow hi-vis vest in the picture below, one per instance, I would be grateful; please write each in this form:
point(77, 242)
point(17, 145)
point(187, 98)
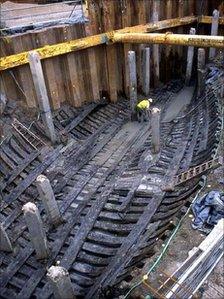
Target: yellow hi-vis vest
point(144, 104)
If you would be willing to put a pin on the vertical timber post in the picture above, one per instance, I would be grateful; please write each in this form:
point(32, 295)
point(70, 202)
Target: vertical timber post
point(201, 70)
point(190, 57)
point(5, 244)
point(146, 70)
point(155, 48)
point(60, 282)
point(214, 31)
point(36, 231)
point(47, 196)
point(155, 125)
point(41, 91)
point(132, 81)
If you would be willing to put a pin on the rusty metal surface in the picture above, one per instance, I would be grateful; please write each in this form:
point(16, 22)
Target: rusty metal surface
point(170, 39)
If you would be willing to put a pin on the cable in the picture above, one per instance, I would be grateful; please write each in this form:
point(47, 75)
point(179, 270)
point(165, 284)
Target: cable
point(72, 11)
point(159, 258)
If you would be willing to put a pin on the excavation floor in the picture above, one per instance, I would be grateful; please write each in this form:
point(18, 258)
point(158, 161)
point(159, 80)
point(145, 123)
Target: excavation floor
point(178, 103)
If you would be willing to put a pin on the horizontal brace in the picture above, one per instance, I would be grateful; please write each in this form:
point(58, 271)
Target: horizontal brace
point(87, 42)
point(208, 20)
point(170, 39)
point(95, 40)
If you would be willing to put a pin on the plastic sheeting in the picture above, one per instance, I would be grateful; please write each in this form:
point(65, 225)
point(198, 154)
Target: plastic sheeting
point(208, 210)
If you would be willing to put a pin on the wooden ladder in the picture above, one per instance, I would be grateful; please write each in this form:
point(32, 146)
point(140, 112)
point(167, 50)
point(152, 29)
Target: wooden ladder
point(26, 134)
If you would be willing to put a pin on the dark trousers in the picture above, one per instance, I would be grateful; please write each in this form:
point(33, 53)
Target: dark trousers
point(142, 115)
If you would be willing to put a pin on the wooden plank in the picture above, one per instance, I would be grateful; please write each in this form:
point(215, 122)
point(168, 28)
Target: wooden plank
point(21, 43)
point(87, 42)
point(109, 24)
point(14, 266)
point(19, 169)
point(125, 252)
point(92, 56)
point(84, 68)
point(50, 70)
point(96, 26)
point(79, 118)
point(63, 234)
point(83, 231)
point(36, 277)
point(69, 69)
point(9, 156)
point(29, 179)
point(9, 77)
point(83, 152)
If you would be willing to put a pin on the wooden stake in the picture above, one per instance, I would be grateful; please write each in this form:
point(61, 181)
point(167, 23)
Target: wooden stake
point(41, 91)
point(155, 125)
point(155, 48)
point(36, 231)
point(146, 70)
point(47, 196)
point(214, 31)
point(132, 80)
point(190, 57)
point(201, 71)
point(60, 282)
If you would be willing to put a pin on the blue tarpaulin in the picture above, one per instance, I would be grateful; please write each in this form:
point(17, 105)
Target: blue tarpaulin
point(208, 210)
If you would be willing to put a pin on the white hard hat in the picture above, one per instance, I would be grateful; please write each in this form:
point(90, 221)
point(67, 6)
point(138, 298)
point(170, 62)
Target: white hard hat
point(150, 100)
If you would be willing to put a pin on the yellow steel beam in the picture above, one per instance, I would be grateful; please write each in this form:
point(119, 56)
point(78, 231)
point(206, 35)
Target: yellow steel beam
point(170, 39)
point(89, 41)
point(208, 20)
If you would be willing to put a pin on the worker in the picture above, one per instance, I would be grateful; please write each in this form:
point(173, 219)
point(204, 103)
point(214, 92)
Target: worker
point(143, 110)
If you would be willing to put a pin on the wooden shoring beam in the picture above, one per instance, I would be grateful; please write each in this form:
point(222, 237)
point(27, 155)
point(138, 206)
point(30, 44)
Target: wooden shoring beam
point(170, 39)
point(89, 41)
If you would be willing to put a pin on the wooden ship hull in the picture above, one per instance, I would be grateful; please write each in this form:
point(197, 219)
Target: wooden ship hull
point(116, 198)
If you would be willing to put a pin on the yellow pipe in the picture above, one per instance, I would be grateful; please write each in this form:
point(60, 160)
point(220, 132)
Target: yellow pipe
point(170, 39)
point(208, 20)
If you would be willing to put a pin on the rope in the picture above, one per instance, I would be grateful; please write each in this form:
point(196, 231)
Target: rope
point(159, 258)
